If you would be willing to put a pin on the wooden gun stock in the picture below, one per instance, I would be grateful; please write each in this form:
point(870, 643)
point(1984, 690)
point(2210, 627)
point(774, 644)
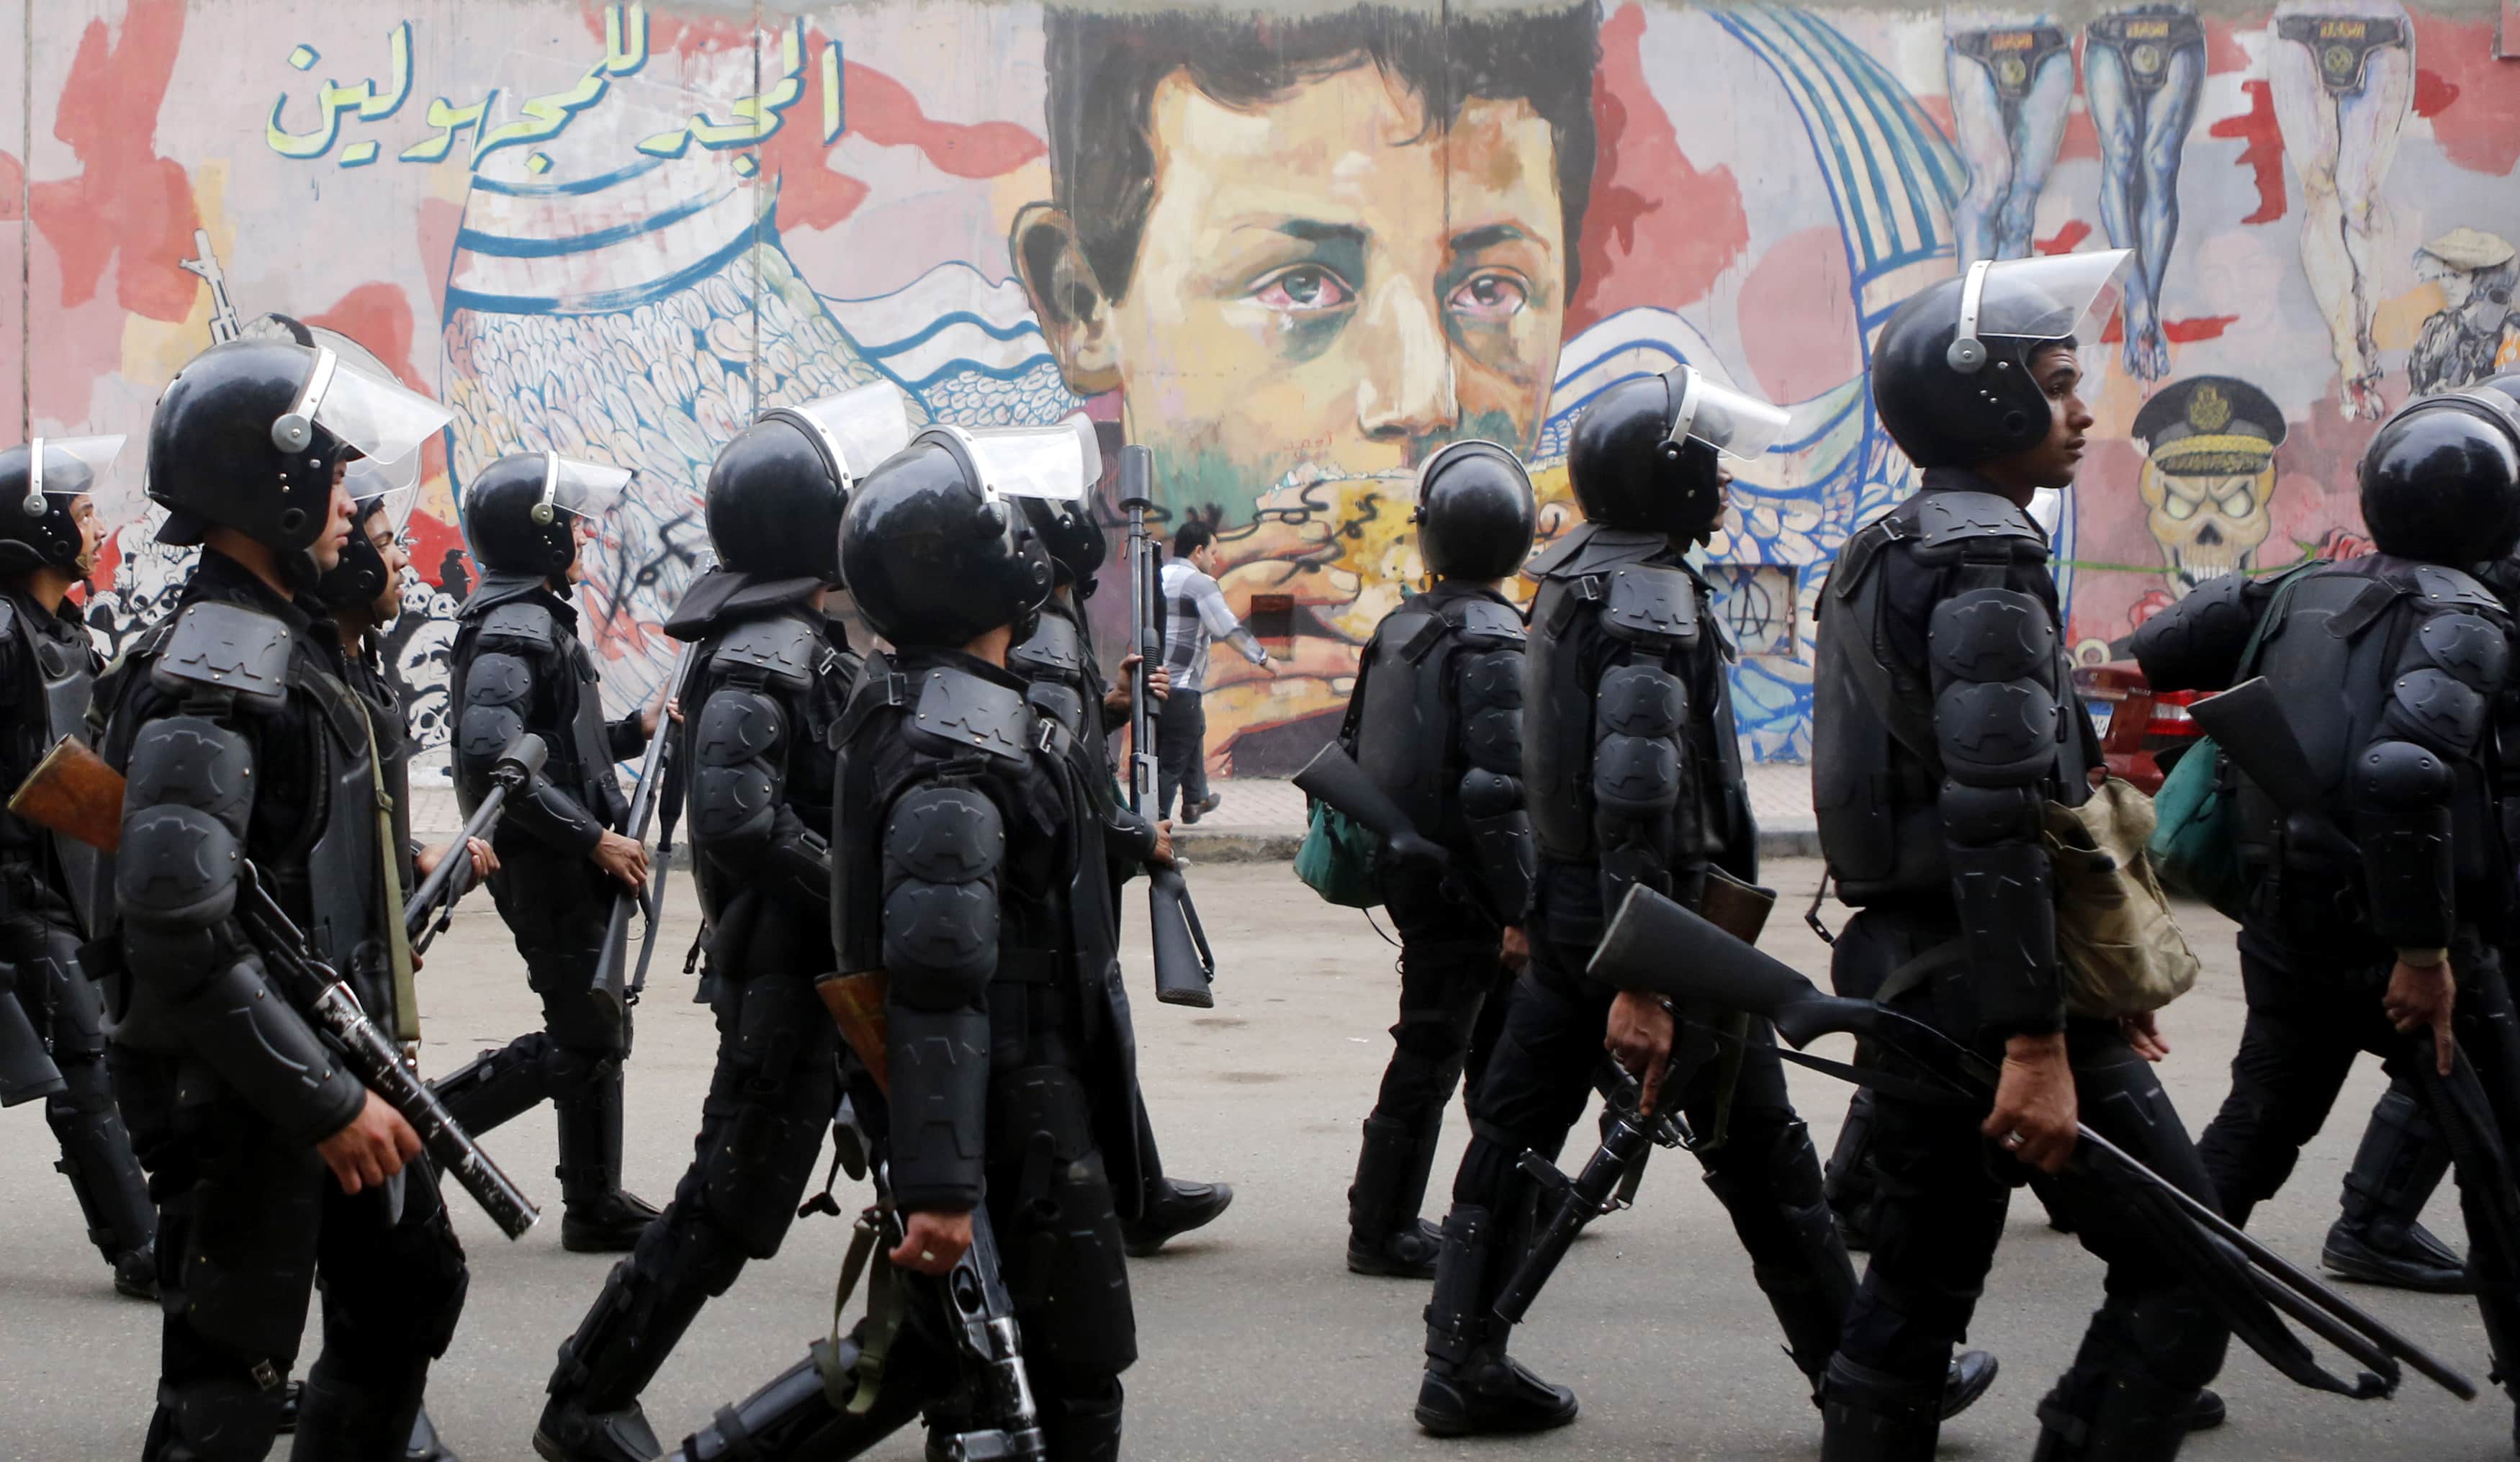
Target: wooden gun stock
point(856, 1003)
point(74, 792)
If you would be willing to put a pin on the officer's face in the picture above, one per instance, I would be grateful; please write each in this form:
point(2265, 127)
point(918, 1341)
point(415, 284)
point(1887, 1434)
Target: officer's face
point(91, 530)
point(580, 533)
point(391, 547)
point(2052, 462)
point(1328, 278)
point(328, 546)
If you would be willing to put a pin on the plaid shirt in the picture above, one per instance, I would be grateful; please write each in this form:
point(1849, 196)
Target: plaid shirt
point(1195, 612)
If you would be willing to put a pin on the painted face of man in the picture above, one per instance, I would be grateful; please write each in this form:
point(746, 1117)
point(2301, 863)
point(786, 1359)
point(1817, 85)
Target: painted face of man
point(1328, 277)
point(395, 550)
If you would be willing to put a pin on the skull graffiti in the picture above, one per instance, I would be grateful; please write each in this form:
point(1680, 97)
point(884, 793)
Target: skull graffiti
point(2209, 473)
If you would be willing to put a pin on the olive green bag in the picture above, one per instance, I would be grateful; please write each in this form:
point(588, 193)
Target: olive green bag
point(2117, 946)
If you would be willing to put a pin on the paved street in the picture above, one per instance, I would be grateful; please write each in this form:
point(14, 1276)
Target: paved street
point(1257, 1343)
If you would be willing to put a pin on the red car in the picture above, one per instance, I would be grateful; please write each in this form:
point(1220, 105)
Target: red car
point(2147, 732)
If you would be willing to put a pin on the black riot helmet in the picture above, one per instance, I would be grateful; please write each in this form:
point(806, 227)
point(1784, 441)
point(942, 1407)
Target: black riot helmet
point(248, 432)
point(1475, 512)
point(518, 515)
point(1072, 539)
point(40, 484)
point(361, 578)
point(777, 493)
point(934, 551)
point(1644, 455)
point(1951, 374)
point(2441, 480)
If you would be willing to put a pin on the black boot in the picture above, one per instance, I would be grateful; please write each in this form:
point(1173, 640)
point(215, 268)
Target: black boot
point(1174, 1207)
point(795, 1417)
point(2376, 1239)
point(1972, 1372)
point(596, 1216)
point(135, 1273)
point(1471, 1385)
point(647, 1302)
point(2123, 1415)
point(424, 1444)
point(1384, 1234)
point(1083, 1428)
point(1849, 1183)
point(338, 1420)
point(112, 1192)
point(1868, 1416)
point(497, 1084)
point(1776, 1202)
point(2208, 1412)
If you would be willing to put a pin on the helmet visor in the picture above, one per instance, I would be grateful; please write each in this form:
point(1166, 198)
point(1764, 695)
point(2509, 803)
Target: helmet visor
point(1062, 462)
point(71, 466)
point(382, 419)
point(1732, 422)
point(2045, 298)
point(860, 427)
point(372, 488)
point(589, 489)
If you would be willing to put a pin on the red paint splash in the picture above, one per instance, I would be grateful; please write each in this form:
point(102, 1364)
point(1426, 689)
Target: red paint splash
point(431, 542)
point(2199, 327)
point(126, 207)
point(1658, 230)
point(2481, 132)
point(377, 315)
point(2261, 153)
point(2223, 53)
point(2062, 242)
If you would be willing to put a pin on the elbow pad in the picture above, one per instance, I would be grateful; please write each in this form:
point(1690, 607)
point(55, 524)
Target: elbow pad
point(942, 847)
point(2403, 793)
point(2007, 908)
point(497, 692)
point(939, 1062)
point(260, 1045)
point(1638, 712)
point(1996, 717)
point(736, 787)
point(2195, 644)
point(1501, 835)
point(189, 793)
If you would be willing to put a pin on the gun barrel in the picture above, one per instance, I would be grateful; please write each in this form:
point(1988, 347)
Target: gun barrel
point(1578, 1204)
point(449, 880)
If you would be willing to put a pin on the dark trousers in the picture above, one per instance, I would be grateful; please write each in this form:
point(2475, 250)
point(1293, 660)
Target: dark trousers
point(2304, 1026)
point(65, 1007)
point(1943, 1191)
point(1766, 1173)
point(1181, 751)
point(249, 1222)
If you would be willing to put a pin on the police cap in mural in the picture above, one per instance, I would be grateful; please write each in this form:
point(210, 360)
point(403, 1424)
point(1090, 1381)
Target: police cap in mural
point(520, 514)
point(248, 432)
point(2210, 426)
point(1645, 453)
point(2441, 480)
point(1475, 512)
point(40, 485)
point(777, 493)
point(934, 553)
point(1951, 374)
point(361, 577)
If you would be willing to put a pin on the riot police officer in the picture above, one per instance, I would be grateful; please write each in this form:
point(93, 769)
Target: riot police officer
point(273, 1166)
point(54, 516)
point(1632, 776)
point(517, 664)
point(1436, 721)
point(1945, 721)
point(2385, 905)
point(960, 882)
point(1066, 686)
point(772, 673)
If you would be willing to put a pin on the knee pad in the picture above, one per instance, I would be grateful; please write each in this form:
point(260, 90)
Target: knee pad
point(760, 1164)
point(230, 1419)
point(1063, 1243)
point(573, 1072)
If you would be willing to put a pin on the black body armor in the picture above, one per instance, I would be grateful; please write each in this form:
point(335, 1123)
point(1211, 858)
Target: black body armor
point(1439, 727)
point(517, 666)
point(768, 693)
point(53, 667)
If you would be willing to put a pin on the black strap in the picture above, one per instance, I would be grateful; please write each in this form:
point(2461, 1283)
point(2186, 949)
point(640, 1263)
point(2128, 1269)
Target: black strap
point(1919, 968)
point(1887, 1082)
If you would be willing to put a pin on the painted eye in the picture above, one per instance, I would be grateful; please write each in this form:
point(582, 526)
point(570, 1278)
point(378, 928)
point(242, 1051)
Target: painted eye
point(1490, 296)
point(1304, 287)
point(2239, 503)
point(2177, 508)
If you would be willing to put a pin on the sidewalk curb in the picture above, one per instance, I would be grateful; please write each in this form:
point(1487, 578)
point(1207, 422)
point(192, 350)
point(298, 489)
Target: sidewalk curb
point(1199, 845)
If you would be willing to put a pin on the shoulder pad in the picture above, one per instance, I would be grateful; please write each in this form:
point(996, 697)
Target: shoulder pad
point(1482, 618)
point(522, 621)
point(1652, 605)
point(1590, 549)
point(1948, 520)
point(962, 710)
point(2445, 588)
point(1054, 648)
point(781, 650)
point(223, 646)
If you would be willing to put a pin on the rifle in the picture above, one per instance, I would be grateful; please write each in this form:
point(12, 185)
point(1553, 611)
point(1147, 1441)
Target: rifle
point(74, 792)
point(225, 324)
point(1006, 1422)
point(1606, 1180)
point(612, 993)
point(1333, 779)
point(452, 879)
point(1655, 944)
point(1185, 966)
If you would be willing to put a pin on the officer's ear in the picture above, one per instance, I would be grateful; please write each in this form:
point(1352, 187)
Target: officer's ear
point(1075, 313)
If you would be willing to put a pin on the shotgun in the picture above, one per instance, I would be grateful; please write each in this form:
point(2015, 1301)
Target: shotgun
point(614, 993)
point(425, 915)
point(1185, 966)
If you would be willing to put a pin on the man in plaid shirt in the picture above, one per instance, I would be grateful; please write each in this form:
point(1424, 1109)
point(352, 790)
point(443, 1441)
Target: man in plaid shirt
point(1195, 612)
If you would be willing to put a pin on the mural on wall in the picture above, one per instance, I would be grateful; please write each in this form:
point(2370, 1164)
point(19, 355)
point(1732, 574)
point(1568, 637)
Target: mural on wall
point(1292, 253)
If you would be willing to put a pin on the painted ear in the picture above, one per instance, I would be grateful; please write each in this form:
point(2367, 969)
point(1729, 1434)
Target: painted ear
point(1075, 313)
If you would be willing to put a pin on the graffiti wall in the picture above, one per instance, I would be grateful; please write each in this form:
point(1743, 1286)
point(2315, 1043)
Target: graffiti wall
point(1292, 253)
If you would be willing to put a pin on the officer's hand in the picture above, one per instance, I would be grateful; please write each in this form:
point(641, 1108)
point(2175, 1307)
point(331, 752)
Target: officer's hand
point(372, 1148)
point(1159, 683)
point(2035, 1107)
point(1640, 1040)
point(1163, 856)
point(2418, 997)
point(1517, 949)
point(485, 859)
point(933, 1243)
point(2143, 1033)
point(623, 857)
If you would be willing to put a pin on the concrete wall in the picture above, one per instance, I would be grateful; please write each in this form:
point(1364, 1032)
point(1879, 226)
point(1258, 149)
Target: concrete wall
point(619, 230)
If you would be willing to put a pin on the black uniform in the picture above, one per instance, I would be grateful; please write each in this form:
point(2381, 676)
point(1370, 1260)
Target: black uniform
point(48, 666)
point(238, 733)
point(1632, 774)
point(2390, 671)
point(519, 666)
point(1436, 721)
point(1945, 720)
point(770, 679)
